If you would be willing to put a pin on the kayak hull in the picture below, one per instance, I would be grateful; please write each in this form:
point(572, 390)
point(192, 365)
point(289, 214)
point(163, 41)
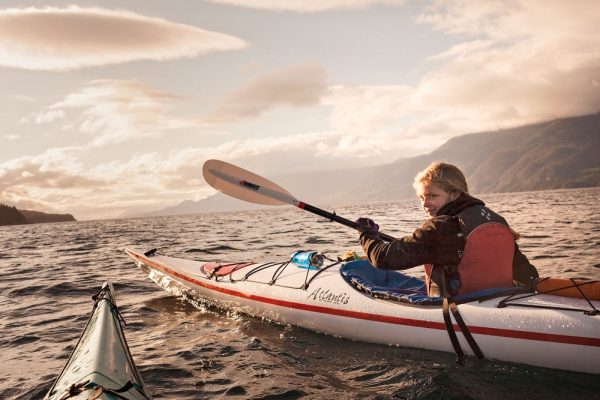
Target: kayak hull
point(552, 338)
point(101, 366)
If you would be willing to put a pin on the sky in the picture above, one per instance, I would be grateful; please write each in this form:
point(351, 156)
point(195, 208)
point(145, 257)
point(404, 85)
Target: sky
point(109, 108)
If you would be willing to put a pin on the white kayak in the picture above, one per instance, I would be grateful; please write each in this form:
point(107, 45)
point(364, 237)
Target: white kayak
point(355, 301)
point(101, 366)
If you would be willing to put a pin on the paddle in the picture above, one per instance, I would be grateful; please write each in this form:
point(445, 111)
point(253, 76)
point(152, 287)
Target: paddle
point(245, 185)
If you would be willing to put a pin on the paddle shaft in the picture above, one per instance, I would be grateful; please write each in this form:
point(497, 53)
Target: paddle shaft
point(337, 218)
point(245, 185)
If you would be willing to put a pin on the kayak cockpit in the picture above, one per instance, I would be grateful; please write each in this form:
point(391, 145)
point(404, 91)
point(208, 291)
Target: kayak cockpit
point(396, 286)
point(387, 284)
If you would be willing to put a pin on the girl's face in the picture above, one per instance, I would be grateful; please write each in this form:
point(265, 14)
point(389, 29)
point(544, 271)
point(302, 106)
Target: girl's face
point(433, 197)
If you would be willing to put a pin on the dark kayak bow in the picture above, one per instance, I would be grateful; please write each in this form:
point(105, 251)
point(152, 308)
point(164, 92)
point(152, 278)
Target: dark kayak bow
point(101, 366)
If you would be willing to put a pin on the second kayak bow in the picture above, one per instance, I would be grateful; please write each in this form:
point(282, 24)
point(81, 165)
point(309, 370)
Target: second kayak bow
point(101, 366)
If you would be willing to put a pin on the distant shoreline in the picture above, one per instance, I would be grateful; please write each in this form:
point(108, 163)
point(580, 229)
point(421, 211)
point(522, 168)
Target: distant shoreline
point(12, 216)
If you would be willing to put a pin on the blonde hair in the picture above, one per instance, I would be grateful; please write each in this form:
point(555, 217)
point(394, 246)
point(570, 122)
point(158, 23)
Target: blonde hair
point(447, 176)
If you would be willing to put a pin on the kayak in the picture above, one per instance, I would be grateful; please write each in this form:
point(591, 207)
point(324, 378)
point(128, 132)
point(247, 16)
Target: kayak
point(353, 300)
point(101, 366)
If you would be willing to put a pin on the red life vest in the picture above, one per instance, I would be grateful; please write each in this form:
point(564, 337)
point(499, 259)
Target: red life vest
point(487, 260)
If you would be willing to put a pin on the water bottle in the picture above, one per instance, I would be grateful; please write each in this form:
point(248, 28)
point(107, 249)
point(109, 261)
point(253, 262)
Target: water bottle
point(308, 259)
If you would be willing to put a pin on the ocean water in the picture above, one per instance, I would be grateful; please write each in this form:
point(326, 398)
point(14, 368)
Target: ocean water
point(48, 273)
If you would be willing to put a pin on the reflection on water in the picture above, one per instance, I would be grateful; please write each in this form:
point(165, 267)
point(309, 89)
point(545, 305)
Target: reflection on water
point(49, 272)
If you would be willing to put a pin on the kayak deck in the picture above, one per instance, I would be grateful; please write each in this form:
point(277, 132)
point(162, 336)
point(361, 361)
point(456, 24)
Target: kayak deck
point(101, 365)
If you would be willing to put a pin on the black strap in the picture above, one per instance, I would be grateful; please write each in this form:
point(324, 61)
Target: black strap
point(465, 331)
point(117, 392)
point(125, 388)
point(309, 281)
point(150, 252)
point(450, 328)
point(510, 300)
point(214, 271)
point(450, 305)
point(577, 285)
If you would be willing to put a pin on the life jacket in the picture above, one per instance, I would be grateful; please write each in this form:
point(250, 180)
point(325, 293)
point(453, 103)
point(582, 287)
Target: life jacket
point(486, 262)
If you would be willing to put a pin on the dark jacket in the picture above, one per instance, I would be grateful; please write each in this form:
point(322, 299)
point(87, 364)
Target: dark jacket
point(441, 240)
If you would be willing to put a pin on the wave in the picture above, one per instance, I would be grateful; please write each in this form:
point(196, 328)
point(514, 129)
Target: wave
point(212, 250)
point(68, 289)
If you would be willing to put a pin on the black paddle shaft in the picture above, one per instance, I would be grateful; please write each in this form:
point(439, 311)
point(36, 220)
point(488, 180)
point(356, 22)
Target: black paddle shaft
point(337, 218)
point(228, 178)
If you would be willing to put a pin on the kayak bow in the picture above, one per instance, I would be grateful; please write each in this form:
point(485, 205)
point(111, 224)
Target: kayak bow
point(101, 366)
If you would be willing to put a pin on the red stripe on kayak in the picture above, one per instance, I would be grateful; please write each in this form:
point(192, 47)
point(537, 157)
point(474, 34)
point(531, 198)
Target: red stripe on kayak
point(509, 333)
point(301, 205)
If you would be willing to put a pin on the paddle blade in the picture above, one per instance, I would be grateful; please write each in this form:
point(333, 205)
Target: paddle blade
point(245, 185)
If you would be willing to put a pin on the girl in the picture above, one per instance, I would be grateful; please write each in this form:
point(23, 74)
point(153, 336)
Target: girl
point(464, 245)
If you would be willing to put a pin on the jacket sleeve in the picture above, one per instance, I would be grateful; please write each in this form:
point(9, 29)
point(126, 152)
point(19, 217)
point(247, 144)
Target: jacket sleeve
point(437, 241)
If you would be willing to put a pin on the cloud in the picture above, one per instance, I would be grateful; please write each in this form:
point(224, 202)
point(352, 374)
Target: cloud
point(367, 109)
point(69, 38)
point(517, 62)
point(59, 180)
point(49, 181)
point(513, 19)
point(307, 6)
point(513, 62)
point(114, 111)
point(57, 168)
point(284, 154)
point(49, 116)
point(298, 86)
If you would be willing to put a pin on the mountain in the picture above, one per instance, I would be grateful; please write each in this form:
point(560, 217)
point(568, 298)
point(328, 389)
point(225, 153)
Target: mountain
point(558, 154)
point(12, 216)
